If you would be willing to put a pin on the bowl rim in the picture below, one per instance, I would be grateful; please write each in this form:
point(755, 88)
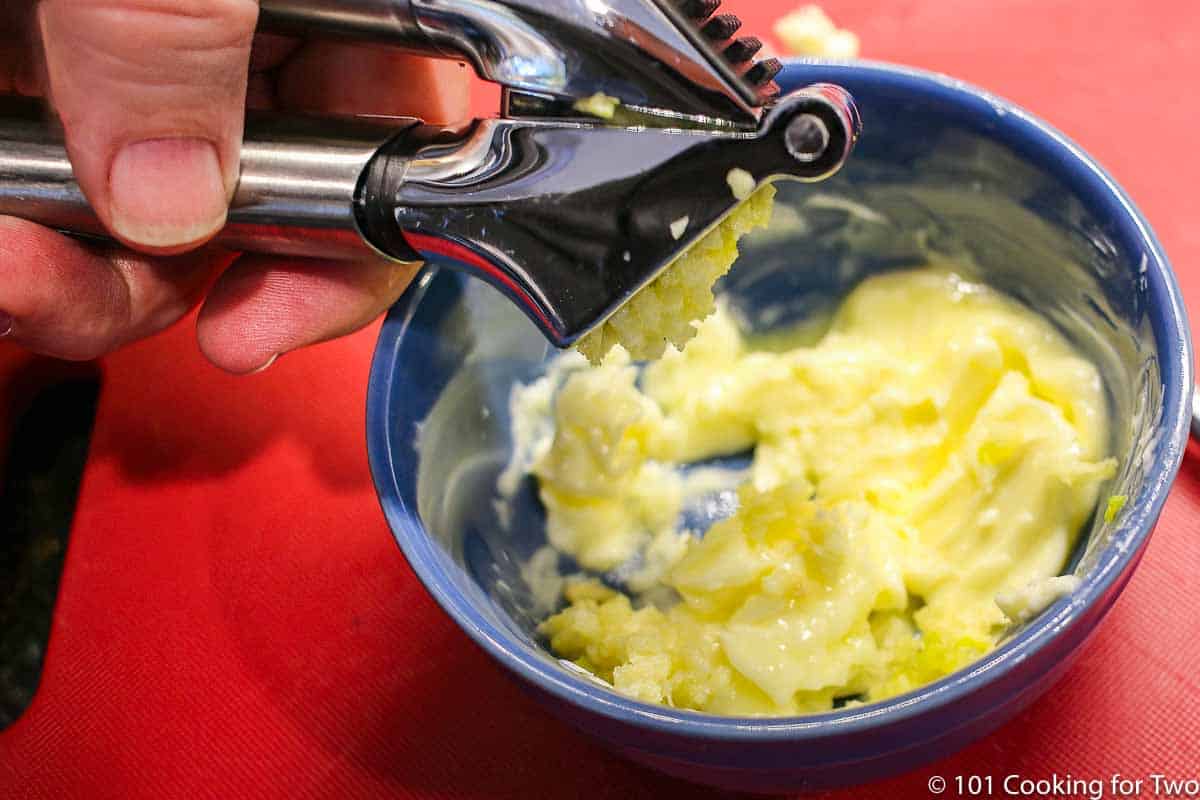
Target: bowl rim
point(1076, 169)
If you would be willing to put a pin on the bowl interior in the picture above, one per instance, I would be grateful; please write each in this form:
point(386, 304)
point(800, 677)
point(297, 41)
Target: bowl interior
point(940, 171)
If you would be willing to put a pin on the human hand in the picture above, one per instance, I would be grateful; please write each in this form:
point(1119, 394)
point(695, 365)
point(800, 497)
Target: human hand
point(151, 94)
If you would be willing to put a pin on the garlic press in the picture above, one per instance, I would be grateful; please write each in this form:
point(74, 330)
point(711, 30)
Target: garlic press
point(567, 212)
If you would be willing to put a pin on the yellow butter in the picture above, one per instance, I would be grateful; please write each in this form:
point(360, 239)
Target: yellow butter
point(808, 31)
point(940, 446)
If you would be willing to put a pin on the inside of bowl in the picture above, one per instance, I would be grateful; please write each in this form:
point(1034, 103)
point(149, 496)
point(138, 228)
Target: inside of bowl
point(929, 179)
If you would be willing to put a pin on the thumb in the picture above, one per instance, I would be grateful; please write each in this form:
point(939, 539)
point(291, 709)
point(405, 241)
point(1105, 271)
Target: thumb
point(152, 94)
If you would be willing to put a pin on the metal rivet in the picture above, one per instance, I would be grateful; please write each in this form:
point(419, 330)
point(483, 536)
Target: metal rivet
point(806, 137)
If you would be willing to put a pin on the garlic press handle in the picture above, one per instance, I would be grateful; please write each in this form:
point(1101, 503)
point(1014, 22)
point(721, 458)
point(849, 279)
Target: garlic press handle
point(390, 21)
point(634, 50)
point(296, 194)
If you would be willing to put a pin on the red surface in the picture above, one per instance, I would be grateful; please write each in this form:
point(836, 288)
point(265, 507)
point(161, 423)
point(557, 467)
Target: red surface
point(235, 620)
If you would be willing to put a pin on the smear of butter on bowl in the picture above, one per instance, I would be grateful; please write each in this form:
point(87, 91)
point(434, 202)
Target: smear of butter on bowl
point(1115, 504)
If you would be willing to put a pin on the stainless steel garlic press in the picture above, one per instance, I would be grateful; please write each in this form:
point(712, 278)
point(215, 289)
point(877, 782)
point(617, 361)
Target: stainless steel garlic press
point(567, 213)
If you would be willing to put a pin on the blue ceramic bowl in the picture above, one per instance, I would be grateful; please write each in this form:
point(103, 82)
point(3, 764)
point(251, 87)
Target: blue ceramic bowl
point(942, 168)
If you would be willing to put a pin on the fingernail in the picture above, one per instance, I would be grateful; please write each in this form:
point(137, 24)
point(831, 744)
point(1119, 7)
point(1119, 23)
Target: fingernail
point(265, 366)
point(167, 192)
point(6, 324)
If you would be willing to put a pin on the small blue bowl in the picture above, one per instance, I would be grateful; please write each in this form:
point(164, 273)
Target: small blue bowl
point(943, 168)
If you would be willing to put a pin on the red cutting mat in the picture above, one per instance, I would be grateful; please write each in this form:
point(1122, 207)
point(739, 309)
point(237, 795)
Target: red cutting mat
point(235, 620)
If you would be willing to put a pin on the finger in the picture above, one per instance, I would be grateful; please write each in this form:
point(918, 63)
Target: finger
point(65, 299)
point(261, 307)
point(151, 94)
point(363, 79)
